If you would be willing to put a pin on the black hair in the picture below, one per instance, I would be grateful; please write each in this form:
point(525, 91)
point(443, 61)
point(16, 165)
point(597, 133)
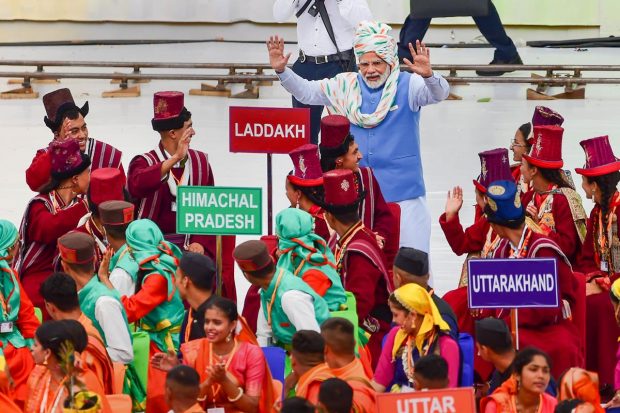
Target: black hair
point(525, 130)
point(315, 194)
point(392, 299)
point(297, 405)
point(116, 231)
point(263, 272)
point(308, 342)
point(608, 185)
point(328, 158)
point(60, 289)
point(94, 208)
point(525, 357)
point(555, 176)
point(184, 375)
point(336, 395)
point(87, 267)
point(226, 306)
point(341, 326)
point(53, 334)
point(348, 218)
point(432, 367)
point(71, 114)
point(567, 406)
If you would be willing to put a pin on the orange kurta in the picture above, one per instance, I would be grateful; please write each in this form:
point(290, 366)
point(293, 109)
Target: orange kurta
point(96, 356)
point(363, 393)
point(6, 394)
point(310, 382)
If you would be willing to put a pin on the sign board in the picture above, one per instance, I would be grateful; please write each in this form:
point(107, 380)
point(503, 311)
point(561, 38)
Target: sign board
point(218, 210)
point(268, 130)
point(513, 283)
point(459, 400)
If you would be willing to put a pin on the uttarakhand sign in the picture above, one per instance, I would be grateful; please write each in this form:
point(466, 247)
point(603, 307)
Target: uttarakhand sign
point(268, 130)
point(513, 283)
point(218, 210)
point(459, 400)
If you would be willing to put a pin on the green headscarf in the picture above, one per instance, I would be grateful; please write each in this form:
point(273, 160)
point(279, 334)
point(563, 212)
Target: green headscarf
point(8, 237)
point(150, 250)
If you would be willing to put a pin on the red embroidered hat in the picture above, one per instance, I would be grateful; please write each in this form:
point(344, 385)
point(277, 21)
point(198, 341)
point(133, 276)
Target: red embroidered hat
point(546, 150)
point(341, 193)
point(252, 256)
point(600, 158)
point(168, 111)
point(306, 166)
point(335, 136)
point(106, 184)
point(116, 212)
point(76, 248)
point(66, 158)
point(546, 116)
point(39, 172)
point(56, 104)
point(494, 166)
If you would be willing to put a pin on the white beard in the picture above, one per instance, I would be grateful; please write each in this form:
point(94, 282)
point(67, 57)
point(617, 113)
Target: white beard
point(376, 84)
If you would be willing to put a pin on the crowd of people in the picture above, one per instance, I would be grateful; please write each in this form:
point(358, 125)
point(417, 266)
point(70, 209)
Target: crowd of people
point(105, 307)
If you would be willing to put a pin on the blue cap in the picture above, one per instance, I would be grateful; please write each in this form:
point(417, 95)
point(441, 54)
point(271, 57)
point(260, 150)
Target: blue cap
point(504, 203)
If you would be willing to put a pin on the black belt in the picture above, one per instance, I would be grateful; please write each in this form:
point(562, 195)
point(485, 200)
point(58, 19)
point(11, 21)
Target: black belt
point(319, 60)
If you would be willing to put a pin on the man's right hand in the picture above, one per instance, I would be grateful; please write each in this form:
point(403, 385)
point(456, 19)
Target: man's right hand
point(454, 202)
point(277, 59)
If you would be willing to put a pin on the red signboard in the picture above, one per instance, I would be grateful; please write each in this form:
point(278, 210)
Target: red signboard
point(459, 400)
point(268, 130)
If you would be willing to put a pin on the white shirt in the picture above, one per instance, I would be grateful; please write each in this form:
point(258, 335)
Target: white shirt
point(422, 91)
point(109, 314)
point(298, 307)
point(122, 282)
point(312, 36)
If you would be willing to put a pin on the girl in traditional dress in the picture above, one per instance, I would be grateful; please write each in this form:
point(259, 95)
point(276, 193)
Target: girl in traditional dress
point(420, 331)
point(520, 145)
point(51, 214)
point(599, 258)
point(524, 392)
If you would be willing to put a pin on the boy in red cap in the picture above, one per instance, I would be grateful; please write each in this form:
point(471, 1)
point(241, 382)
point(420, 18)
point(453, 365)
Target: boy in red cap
point(153, 178)
point(66, 121)
point(359, 259)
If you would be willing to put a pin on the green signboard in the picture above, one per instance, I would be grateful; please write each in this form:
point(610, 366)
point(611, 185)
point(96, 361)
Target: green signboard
point(218, 210)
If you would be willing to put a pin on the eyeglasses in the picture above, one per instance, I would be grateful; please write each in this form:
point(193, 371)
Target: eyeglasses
point(374, 63)
point(515, 143)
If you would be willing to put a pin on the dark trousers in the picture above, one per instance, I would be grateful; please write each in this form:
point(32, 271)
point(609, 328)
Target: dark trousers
point(490, 26)
point(313, 71)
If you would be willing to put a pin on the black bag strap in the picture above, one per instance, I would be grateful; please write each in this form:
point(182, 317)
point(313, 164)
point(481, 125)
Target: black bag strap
point(320, 5)
point(303, 8)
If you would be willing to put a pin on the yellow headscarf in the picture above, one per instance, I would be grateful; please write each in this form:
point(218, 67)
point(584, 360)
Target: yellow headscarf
point(417, 300)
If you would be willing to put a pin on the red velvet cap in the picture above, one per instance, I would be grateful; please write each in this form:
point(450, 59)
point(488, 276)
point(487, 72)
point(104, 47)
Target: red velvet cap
point(600, 158)
point(546, 116)
point(334, 128)
point(167, 105)
point(546, 150)
point(306, 166)
point(116, 212)
point(252, 256)
point(340, 188)
point(106, 184)
point(494, 166)
point(57, 103)
point(76, 248)
point(39, 172)
point(67, 159)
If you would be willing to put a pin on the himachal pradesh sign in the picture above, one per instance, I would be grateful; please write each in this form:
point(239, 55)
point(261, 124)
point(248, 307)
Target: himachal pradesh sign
point(513, 283)
point(459, 400)
point(268, 130)
point(218, 210)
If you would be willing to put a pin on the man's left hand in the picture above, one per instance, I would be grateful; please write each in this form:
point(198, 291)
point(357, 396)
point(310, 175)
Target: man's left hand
point(421, 64)
point(196, 247)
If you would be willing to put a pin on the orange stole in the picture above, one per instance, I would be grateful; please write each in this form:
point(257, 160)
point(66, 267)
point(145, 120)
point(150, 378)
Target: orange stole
point(504, 399)
point(20, 363)
point(96, 356)
point(6, 395)
point(363, 393)
point(196, 354)
point(309, 383)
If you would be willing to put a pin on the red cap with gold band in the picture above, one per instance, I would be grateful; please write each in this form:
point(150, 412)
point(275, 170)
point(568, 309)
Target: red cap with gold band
point(306, 166)
point(116, 212)
point(252, 256)
point(76, 248)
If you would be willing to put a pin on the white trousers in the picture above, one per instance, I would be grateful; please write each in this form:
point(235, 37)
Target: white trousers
point(415, 224)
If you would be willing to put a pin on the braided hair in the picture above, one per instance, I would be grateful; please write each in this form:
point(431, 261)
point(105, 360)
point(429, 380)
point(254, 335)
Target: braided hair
point(555, 176)
point(608, 185)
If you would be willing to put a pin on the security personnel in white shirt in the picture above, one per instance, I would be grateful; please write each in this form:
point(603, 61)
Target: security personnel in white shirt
point(318, 56)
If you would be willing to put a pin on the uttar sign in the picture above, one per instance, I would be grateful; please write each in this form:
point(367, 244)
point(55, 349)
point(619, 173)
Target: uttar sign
point(459, 400)
point(219, 210)
point(268, 130)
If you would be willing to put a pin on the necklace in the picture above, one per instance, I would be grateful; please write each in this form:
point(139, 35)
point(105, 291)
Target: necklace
point(341, 247)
